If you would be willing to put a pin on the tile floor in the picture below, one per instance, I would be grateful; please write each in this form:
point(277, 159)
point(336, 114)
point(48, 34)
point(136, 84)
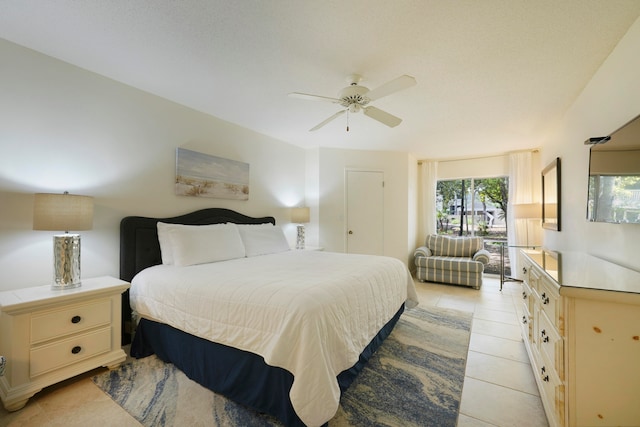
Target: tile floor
point(499, 388)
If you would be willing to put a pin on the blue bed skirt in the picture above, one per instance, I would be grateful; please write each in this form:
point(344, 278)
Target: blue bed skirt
point(241, 376)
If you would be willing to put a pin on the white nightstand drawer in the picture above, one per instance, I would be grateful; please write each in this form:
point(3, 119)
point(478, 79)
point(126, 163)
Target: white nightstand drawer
point(70, 319)
point(68, 351)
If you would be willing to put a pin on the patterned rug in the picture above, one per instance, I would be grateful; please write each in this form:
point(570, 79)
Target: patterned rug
point(414, 379)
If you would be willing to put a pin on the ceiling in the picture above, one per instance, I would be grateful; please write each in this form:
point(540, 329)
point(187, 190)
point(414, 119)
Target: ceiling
point(493, 75)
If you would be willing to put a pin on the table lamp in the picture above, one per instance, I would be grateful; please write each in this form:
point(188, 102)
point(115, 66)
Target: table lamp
point(64, 212)
point(300, 216)
point(528, 211)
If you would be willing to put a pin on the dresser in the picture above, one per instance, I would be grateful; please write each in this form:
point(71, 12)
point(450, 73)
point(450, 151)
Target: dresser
point(51, 335)
point(580, 320)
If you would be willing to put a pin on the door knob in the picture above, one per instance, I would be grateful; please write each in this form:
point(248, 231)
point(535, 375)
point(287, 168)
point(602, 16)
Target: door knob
point(350, 232)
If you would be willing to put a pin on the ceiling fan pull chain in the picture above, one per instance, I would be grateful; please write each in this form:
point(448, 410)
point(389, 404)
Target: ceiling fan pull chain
point(347, 120)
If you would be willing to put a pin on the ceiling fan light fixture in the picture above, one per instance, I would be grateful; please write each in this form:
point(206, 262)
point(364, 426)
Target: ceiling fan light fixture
point(355, 98)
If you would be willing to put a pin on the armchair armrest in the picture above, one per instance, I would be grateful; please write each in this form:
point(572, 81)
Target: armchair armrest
point(482, 256)
point(422, 251)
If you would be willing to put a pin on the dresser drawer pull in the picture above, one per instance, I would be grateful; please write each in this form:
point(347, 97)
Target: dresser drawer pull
point(76, 319)
point(545, 378)
point(524, 295)
point(524, 270)
point(77, 349)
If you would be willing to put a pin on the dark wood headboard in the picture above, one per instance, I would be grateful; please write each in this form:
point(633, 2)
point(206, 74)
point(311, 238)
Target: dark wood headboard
point(139, 247)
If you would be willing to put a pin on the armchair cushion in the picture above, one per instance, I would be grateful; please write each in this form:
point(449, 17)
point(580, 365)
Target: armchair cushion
point(454, 246)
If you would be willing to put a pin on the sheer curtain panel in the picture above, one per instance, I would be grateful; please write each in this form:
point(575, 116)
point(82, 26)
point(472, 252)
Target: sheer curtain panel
point(427, 181)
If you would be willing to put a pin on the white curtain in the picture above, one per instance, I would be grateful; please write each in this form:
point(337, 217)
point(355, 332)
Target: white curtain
point(427, 181)
point(520, 191)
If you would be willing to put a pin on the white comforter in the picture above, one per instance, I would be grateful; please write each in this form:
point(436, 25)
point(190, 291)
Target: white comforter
point(311, 313)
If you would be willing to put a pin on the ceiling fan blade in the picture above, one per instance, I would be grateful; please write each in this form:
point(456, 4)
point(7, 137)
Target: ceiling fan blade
point(382, 116)
point(313, 97)
point(319, 125)
point(395, 85)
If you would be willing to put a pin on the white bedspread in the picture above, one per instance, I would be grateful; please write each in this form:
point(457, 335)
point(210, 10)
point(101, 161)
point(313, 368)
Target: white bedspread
point(311, 313)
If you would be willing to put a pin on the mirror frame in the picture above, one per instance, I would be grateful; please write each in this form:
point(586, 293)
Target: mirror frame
point(551, 195)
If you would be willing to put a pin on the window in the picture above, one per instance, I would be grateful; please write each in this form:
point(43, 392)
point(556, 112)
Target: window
point(475, 207)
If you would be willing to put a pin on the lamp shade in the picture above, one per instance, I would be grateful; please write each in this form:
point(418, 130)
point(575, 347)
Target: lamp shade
point(527, 211)
point(300, 215)
point(62, 212)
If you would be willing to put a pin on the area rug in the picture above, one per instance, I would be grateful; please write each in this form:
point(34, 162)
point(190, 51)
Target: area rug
point(414, 379)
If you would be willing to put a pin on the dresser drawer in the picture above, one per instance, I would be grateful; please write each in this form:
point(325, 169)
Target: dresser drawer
point(552, 391)
point(67, 351)
point(551, 344)
point(70, 319)
point(526, 267)
point(534, 280)
point(549, 300)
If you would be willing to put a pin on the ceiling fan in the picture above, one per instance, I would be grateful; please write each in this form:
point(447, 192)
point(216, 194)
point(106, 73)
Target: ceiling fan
point(355, 98)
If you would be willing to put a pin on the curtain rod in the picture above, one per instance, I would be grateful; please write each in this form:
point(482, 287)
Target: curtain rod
point(456, 159)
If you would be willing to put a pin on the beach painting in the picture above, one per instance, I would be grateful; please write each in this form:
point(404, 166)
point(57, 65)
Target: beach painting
point(202, 175)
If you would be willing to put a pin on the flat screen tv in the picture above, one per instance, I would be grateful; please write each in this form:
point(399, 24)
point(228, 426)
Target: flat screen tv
point(614, 176)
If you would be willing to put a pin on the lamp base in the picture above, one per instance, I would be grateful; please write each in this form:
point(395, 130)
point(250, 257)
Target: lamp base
point(300, 239)
point(66, 261)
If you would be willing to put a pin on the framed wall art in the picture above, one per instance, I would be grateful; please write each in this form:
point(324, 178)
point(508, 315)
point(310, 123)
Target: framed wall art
point(203, 175)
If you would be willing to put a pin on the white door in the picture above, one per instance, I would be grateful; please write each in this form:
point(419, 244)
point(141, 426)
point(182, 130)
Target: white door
point(365, 212)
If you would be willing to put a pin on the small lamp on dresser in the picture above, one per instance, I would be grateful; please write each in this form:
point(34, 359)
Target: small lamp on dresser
point(300, 216)
point(64, 212)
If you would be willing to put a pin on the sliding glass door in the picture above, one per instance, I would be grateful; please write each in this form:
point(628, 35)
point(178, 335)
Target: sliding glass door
point(475, 207)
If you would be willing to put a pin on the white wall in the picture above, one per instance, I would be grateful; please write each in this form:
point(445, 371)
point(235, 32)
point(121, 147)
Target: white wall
point(332, 166)
point(610, 100)
point(64, 128)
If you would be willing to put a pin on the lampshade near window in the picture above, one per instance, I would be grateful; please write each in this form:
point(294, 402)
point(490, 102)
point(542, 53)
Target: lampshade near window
point(527, 211)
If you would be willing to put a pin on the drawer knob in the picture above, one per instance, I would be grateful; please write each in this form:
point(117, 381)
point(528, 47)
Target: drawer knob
point(524, 319)
point(545, 378)
point(77, 349)
point(76, 319)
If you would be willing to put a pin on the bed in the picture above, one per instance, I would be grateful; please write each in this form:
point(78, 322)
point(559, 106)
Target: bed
point(281, 331)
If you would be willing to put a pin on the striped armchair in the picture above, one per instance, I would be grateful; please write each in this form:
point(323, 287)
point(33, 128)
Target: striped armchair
point(452, 260)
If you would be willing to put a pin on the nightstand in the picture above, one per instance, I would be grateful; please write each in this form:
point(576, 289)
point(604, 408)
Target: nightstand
point(51, 335)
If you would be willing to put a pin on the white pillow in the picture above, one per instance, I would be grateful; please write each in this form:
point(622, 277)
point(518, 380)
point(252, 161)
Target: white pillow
point(165, 241)
point(201, 244)
point(262, 239)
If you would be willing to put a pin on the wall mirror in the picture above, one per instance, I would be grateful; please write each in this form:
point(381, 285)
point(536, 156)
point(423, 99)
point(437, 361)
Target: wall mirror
point(551, 196)
point(614, 176)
